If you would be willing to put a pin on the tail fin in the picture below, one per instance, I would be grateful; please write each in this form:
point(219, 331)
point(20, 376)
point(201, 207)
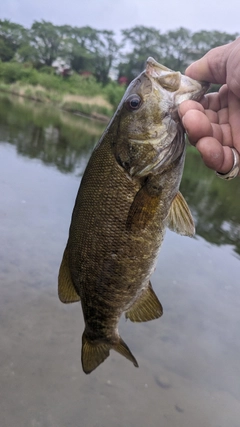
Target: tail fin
point(93, 354)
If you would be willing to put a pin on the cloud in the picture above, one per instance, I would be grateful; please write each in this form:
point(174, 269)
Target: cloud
point(117, 15)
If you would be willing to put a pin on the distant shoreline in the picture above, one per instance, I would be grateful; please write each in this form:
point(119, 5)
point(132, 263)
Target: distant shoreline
point(75, 93)
point(71, 107)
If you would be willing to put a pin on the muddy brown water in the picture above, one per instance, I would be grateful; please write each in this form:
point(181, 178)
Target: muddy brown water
point(189, 360)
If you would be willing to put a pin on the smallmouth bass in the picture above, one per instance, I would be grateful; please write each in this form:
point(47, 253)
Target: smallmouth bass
point(128, 195)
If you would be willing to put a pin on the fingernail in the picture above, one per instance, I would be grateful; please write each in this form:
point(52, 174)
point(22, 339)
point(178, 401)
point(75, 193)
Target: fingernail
point(184, 124)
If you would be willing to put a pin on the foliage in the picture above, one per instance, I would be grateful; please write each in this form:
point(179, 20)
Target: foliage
point(90, 50)
point(105, 54)
point(142, 43)
point(114, 93)
point(86, 108)
point(43, 86)
point(11, 72)
point(86, 86)
point(12, 38)
point(203, 41)
point(96, 52)
point(47, 40)
point(176, 48)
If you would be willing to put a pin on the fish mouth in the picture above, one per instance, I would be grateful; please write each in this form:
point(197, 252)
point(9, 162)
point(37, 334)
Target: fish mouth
point(197, 96)
point(179, 86)
point(190, 89)
point(193, 95)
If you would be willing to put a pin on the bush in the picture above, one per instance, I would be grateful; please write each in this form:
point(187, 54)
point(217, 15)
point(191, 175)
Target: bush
point(10, 72)
point(29, 75)
point(50, 81)
point(28, 93)
point(86, 108)
point(114, 93)
point(87, 86)
point(47, 70)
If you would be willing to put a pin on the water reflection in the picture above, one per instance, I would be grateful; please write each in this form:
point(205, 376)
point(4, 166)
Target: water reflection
point(45, 133)
point(215, 203)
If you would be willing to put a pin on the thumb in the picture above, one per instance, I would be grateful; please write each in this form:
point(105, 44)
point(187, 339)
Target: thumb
point(212, 66)
point(233, 69)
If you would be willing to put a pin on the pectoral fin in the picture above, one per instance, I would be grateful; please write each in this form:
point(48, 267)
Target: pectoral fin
point(180, 218)
point(142, 210)
point(147, 307)
point(66, 290)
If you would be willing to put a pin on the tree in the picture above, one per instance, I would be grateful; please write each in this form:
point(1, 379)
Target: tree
point(12, 37)
point(105, 54)
point(176, 48)
point(47, 40)
point(141, 42)
point(203, 41)
point(90, 50)
point(79, 47)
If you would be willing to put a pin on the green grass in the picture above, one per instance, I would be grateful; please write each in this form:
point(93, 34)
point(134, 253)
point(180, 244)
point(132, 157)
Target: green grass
point(86, 108)
point(45, 86)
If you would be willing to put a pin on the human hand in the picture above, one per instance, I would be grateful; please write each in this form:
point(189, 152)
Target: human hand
point(213, 125)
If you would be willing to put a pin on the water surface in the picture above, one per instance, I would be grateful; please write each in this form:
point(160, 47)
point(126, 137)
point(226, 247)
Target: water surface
point(189, 359)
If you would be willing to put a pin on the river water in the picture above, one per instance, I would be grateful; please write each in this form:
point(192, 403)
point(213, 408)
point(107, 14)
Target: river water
point(189, 359)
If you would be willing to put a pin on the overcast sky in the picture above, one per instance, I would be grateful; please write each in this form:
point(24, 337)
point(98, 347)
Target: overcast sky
point(121, 14)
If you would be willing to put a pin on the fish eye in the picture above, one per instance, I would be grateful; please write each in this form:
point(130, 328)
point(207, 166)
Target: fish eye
point(133, 102)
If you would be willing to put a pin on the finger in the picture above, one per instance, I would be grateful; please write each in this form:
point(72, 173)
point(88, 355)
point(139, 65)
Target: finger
point(189, 105)
point(212, 116)
point(197, 125)
point(212, 101)
point(233, 78)
point(217, 101)
point(223, 133)
point(223, 96)
point(234, 119)
point(214, 155)
point(211, 67)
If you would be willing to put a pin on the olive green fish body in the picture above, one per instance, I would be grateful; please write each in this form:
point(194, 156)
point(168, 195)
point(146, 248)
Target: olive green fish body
point(108, 251)
point(128, 195)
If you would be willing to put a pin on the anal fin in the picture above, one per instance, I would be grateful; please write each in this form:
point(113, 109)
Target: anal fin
point(66, 291)
point(146, 307)
point(180, 218)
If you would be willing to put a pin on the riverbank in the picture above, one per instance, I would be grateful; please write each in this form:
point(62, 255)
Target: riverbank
point(76, 94)
point(96, 107)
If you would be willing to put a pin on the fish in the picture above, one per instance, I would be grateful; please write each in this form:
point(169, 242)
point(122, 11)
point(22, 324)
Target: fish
point(128, 195)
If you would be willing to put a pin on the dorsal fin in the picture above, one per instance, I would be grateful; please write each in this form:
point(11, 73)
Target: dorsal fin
point(180, 218)
point(66, 290)
point(146, 307)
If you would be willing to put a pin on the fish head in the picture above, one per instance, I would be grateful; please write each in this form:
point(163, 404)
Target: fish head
point(150, 135)
point(180, 87)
